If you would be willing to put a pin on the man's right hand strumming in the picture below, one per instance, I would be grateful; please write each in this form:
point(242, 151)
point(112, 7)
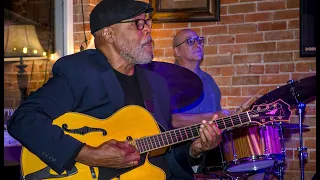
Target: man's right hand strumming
point(111, 154)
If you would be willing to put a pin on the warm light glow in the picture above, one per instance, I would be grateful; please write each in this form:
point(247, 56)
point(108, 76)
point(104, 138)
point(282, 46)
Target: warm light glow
point(35, 51)
point(44, 53)
point(52, 57)
point(25, 50)
point(15, 49)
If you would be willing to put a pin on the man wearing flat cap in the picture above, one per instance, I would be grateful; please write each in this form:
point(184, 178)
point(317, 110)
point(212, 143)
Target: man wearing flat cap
point(99, 82)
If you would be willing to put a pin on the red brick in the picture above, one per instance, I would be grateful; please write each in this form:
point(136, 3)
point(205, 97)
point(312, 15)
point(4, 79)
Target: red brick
point(306, 67)
point(242, 28)
point(309, 121)
point(168, 52)
point(291, 143)
point(214, 30)
point(293, 4)
point(289, 154)
point(10, 85)
point(256, 69)
point(242, 70)
point(278, 57)
point(275, 79)
point(295, 165)
point(286, 14)
point(214, 71)
point(11, 94)
point(223, 39)
point(217, 60)
point(236, 101)
point(312, 155)
point(175, 25)
point(251, 37)
point(223, 102)
point(79, 27)
point(298, 76)
point(268, 26)
point(8, 67)
point(210, 50)
point(296, 57)
point(242, 8)
point(230, 91)
point(278, 35)
point(158, 52)
point(272, 5)
point(295, 175)
point(163, 33)
point(288, 45)
point(287, 67)
point(157, 26)
point(232, 19)
point(223, 10)
point(227, 71)
point(262, 47)
point(163, 43)
point(273, 68)
point(261, 16)
point(310, 143)
point(200, 24)
point(245, 80)
point(223, 81)
point(229, 1)
point(231, 49)
point(252, 91)
point(294, 24)
point(242, 59)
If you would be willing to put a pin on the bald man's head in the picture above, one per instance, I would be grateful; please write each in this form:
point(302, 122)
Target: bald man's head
point(180, 37)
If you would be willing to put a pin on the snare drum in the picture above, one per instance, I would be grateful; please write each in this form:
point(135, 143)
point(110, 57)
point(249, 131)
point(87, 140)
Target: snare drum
point(250, 148)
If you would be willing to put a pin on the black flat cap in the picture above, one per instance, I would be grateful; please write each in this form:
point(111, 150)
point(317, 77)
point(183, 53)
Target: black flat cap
point(109, 12)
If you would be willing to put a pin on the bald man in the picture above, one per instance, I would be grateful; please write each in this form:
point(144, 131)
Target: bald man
point(188, 52)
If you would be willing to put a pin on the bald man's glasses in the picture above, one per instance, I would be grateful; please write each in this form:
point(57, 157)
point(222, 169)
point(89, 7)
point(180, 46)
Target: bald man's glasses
point(140, 23)
point(191, 41)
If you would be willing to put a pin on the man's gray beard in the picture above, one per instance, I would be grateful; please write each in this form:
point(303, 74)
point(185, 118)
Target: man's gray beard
point(134, 55)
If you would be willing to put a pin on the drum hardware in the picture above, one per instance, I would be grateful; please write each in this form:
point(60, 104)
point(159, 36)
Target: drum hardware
point(303, 154)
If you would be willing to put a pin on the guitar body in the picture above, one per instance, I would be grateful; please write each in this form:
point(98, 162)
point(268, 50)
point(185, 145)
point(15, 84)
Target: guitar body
point(133, 121)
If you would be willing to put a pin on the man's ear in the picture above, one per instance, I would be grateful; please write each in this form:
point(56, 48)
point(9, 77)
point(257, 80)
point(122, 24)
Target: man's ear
point(107, 34)
point(176, 51)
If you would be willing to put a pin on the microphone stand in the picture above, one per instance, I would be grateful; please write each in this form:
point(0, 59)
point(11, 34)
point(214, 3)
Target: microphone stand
point(301, 106)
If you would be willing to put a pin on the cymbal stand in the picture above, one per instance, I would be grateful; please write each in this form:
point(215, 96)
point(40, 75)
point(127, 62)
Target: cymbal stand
point(301, 107)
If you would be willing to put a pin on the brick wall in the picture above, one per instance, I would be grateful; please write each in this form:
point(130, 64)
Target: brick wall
point(254, 46)
point(37, 75)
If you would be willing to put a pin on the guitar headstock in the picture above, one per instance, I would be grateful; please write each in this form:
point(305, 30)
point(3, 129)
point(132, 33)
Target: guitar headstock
point(277, 111)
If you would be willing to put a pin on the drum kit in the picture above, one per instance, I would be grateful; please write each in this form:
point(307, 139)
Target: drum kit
point(250, 149)
point(254, 149)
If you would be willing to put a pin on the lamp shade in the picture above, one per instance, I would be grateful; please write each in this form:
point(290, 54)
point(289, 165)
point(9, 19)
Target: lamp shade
point(22, 41)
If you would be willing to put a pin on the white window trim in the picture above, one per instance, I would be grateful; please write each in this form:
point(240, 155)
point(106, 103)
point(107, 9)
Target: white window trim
point(64, 27)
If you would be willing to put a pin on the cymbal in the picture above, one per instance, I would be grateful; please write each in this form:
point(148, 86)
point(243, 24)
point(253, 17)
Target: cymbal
point(184, 85)
point(305, 88)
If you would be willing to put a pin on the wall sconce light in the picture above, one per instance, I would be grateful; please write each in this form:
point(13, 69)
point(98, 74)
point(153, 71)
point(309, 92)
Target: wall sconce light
point(21, 43)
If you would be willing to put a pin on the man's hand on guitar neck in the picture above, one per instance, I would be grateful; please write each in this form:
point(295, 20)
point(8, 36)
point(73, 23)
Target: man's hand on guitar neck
point(111, 154)
point(210, 137)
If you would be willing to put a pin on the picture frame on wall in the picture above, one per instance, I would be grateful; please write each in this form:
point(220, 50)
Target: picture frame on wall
point(307, 28)
point(185, 10)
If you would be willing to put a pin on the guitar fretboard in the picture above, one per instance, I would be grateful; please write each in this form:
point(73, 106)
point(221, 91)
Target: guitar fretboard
point(175, 136)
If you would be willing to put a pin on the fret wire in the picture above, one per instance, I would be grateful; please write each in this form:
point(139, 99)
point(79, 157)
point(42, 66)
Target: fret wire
point(157, 142)
point(149, 143)
point(162, 140)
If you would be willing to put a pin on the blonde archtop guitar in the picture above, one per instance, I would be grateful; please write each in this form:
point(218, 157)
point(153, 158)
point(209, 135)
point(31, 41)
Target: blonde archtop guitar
point(136, 125)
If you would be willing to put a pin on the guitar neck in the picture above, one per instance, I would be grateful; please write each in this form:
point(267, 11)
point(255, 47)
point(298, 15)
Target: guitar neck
point(179, 135)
